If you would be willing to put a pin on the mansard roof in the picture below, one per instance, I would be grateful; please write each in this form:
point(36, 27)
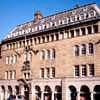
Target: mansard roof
point(72, 16)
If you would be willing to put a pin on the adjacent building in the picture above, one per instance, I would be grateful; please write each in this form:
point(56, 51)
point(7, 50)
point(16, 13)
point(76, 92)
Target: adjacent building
point(53, 58)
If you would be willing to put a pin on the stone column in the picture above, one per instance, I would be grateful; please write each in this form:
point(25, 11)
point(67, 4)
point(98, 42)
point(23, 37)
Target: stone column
point(41, 40)
point(74, 33)
point(88, 70)
point(50, 38)
point(80, 31)
point(68, 97)
point(52, 95)
point(42, 95)
point(92, 95)
point(99, 26)
point(6, 93)
point(54, 37)
point(78, 95)
point(69, 34)
point(92, 29)
point(60, 35)
point(86, 30)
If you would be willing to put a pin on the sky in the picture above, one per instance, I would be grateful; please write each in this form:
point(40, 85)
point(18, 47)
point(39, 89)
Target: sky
point(16, 12)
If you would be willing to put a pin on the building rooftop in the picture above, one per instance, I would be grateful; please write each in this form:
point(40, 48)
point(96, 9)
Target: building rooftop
point(75, 15)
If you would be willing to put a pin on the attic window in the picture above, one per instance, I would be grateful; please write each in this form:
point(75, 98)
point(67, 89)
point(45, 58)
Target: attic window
point(92, 13)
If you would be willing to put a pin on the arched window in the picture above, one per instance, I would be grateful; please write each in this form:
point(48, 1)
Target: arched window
point(73, 93)
point(76, 50)
point(91, 48)
point(43, 55)
point(83, 49)
point(85, 93)
point(48, 54)
point(53, 54)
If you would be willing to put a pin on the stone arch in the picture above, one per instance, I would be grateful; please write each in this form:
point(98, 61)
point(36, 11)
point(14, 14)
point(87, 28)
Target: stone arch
point(17, 89)
point(47, 93)
point(73, 92)
point(97, 92)
point(2, 94)
point(85, 93)
point(9, 91)
point(58, 93)
point(38, 92)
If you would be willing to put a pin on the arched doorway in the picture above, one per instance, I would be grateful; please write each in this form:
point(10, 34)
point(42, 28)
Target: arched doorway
point(38, 92)
point(26, 92)
point(9, 91)
point(23, 89)
point(2, 95)
point(73, 92)
point(17, 90)
point(85, 93)
point(47, 94)
point(97, 92)
point(58, 93)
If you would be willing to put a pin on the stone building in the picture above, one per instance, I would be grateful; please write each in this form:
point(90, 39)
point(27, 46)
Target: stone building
point(53, 58)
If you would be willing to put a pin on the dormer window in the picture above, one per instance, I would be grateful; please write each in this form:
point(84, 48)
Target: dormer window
point(81, 16)
point(92, 13)
point(51, 24)
point(72, 18)
point(36, 28)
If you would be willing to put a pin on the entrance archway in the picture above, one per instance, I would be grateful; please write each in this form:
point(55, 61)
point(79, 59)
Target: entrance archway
point(38, 92)
point(85, 93)
point(73, 92)
point(2, 93)
point(9, 91)
point(26, 92)
point(24, 89)
point(17, 90)
point(47, 94)
point(97, 92)
point(58, 94)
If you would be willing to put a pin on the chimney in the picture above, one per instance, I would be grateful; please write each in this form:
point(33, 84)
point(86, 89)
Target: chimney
point(38, 16)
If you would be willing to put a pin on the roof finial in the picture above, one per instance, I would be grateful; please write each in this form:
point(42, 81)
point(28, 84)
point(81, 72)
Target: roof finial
point(77, 5)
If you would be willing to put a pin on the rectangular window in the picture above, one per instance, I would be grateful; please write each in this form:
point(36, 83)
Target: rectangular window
point(48, 72)
point(72, 33)
point(42, 72)
point(77, 70)
point(77, 32)
point(7, 60)
point(53, 72)
point(91, 67)
point(84, 70)
point(89, 30)
point(83, 31)
point(95, 28)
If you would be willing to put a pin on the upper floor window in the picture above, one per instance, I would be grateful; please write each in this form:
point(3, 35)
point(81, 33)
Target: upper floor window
point(76, 50)
point(53, 54)
point(92, 13)
point(43, 55)
point(84, 70)
point(91, 67)
point(48, 54)
point(83, 31)
point(53, 72)
point(77, 70)
point(89, 30)
point(7, 60)
point(95, 28)
point(91, 48)
point(42, 72)
point(72, 33)
point(77, 32)
point(48, 72)
point(83, 48)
